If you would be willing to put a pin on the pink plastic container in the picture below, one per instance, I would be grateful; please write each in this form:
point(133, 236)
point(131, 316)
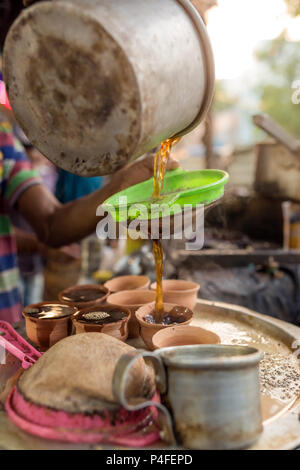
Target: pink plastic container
point(17, 346)
point(15, 353)
point(129, 428)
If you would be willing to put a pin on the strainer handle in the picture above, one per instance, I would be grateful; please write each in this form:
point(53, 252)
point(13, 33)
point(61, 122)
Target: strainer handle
point(120, 377)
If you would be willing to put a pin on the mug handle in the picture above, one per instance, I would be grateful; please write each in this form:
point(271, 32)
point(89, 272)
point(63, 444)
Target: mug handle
point(120, 377)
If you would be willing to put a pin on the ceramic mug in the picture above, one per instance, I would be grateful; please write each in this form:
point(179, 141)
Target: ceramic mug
point(211, 394)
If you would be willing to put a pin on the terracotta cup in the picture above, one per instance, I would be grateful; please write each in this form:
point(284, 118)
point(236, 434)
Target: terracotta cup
point(103, 294)
point(127, 283)
point(45, 332)
point(117, 329)
point(183, 336)
point(148, 330)
point(179, 292)
point(133, 300)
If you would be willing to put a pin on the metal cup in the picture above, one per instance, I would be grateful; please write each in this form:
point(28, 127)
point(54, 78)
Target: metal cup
point(211, 394)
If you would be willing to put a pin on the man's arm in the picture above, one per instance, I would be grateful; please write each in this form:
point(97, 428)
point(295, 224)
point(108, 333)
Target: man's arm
point(57, 225)
point(60, 224)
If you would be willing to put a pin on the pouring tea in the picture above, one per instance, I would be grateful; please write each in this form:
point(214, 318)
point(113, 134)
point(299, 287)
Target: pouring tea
point(93, 122)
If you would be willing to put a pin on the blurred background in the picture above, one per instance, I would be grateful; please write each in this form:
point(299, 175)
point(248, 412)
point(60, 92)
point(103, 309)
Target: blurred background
point(257, 57)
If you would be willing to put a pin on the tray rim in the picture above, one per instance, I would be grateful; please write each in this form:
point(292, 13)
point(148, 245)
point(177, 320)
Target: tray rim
point(275, 429)
point(291, 330)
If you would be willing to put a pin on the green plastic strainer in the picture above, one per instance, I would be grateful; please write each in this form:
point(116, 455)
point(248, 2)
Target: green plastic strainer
point(181, 188)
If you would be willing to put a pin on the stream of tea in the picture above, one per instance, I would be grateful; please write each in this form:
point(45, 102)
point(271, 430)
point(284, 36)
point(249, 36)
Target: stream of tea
point(160, 164)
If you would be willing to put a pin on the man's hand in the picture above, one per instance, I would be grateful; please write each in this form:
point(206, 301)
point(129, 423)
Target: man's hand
point(28, 243)
point(65, 254)
point(137, 172)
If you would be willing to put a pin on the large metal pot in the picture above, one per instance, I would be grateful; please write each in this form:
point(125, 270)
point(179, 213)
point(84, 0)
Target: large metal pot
point(96, 83)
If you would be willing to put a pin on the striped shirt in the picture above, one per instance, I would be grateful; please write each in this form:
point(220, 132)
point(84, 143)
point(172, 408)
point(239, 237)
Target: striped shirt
point(16, 175)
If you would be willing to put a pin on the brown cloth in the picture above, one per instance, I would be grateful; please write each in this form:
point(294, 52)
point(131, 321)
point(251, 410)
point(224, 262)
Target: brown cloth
point(76, 374)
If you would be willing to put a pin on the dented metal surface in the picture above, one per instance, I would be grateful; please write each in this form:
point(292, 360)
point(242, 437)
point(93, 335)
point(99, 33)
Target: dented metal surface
point(97, 83)
point(213, 392)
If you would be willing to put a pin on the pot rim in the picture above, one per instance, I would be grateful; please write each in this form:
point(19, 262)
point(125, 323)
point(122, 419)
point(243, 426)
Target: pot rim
point(218, 356)
point(102, 307)
point(129, 276)
point(82, 304)
point(41, 304)
point(184, 327)
point(158, 326)
point(188, 290)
